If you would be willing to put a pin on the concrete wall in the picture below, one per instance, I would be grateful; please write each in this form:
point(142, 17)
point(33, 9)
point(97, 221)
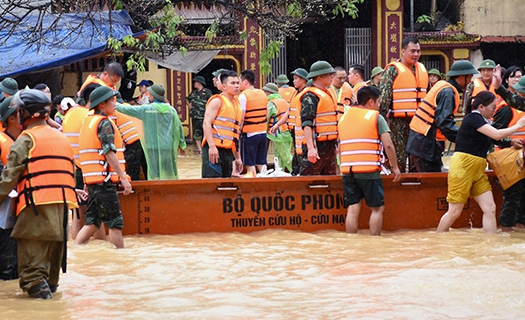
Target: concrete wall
point(494, 17)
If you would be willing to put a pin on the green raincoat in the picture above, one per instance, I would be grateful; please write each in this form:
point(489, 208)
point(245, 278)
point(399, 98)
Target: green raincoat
point(163, 136)
point(282, 140)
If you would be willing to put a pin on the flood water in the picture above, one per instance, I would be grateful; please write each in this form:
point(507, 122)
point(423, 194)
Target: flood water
point(280, 274)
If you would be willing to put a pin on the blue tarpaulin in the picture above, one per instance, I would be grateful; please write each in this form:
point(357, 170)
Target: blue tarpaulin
point(89, 39)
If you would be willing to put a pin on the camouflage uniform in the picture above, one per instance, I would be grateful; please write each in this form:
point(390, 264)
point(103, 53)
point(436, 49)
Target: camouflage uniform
point(327, 164)
point(103, 202)
point(513, 99)
point(400, 127)
point(513, 207)
point(198, 100)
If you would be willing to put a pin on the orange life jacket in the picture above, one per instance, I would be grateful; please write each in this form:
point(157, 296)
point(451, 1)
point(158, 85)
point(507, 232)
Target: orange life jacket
point(356, 88)
point(425, 113)
point(516, 115)
point(49, 177)
point(71, 128)
point(282, 108)
point(255, 118)
point(327, 115)
point(226, 126)
point(408, 89)
point(5, 146)
point(126, 127)
point(286, 93)
point(359, 145)
point(95, 168)
point(479, 86)
point(345, 94)
point(291, 116)
point(94, 78)
point(295, 114)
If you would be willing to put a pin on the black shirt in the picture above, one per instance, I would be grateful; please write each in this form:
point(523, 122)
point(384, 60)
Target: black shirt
point(469, 140)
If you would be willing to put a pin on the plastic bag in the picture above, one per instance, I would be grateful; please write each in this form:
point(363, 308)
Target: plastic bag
point(507, 165)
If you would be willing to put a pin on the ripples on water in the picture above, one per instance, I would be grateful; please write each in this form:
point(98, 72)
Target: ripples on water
point(280, 274)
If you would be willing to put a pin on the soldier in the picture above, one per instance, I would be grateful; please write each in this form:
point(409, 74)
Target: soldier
point(300, 76)
point(403, 87)
point(513, 208)
point(433, 77)
point(197, 101)
point(363, 133)
point(319, 118)
point(9, 87)
point(434, 119)
point(375, 77)
point(102, 160)
point(8, 258)
point(278, 132)
point(163, 135)
point(40, 164)
point(71, 129)
point(285, 90)
point(486, 69)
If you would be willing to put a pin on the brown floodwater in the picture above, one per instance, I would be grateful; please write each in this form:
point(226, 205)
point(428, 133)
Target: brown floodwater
point(281, 274)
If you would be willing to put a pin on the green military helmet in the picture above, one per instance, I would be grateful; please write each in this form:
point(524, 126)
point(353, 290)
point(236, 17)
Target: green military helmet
point(218, 72)
point(487, 64)
point(319, 68)
point(309, 83)
point(157, 91)
point(282, 79)
point(435, 72)
point(5, 111)
point(271, 87)
point(520, 85)
point(200, 79)
point(461, 68)
point(9, 86)
point(100, 95)
point(377, 70)
point(300, 72)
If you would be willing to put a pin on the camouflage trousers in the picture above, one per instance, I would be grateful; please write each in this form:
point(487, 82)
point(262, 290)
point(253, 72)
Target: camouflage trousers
point(104, 206)
point(326, 165)
point(399, 128)
point(513, 208)
point(198, 132)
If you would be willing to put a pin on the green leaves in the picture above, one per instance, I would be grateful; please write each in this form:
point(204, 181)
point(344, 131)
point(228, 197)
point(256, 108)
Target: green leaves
point(271, 51)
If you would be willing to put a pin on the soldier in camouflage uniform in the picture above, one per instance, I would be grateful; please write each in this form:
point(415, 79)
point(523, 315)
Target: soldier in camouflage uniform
point(197, 100)
point(513, 208)
point(103, 200)
point(319, 152)
point(399, 126)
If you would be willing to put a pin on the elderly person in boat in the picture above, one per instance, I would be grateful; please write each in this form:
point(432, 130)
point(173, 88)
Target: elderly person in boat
point(466, 176)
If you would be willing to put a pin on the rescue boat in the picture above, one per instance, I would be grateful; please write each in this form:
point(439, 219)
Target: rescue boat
point(309, 203)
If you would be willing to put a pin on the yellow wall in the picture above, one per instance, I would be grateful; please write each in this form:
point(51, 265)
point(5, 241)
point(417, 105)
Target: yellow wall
point(70, 83)
point(492, 17)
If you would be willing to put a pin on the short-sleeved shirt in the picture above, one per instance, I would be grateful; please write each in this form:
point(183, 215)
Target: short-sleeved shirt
point(106, 135)
point(469, 139)
point(382, 127)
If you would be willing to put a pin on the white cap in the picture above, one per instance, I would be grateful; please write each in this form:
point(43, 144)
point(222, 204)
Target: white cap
point(67, 103)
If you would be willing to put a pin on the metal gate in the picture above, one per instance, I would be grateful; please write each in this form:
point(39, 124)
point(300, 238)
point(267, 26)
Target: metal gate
point(358, 48)
point(279, 63)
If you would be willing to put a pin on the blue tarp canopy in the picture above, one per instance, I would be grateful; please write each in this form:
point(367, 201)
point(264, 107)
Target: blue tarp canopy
point(89, 39)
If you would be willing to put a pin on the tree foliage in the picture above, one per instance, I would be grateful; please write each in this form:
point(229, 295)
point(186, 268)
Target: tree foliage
point(162, 25)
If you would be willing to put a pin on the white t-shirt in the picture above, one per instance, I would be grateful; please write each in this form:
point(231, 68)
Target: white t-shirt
point(243, 101)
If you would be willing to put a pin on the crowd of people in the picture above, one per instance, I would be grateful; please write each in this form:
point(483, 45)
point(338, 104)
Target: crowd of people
point(329, 121)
